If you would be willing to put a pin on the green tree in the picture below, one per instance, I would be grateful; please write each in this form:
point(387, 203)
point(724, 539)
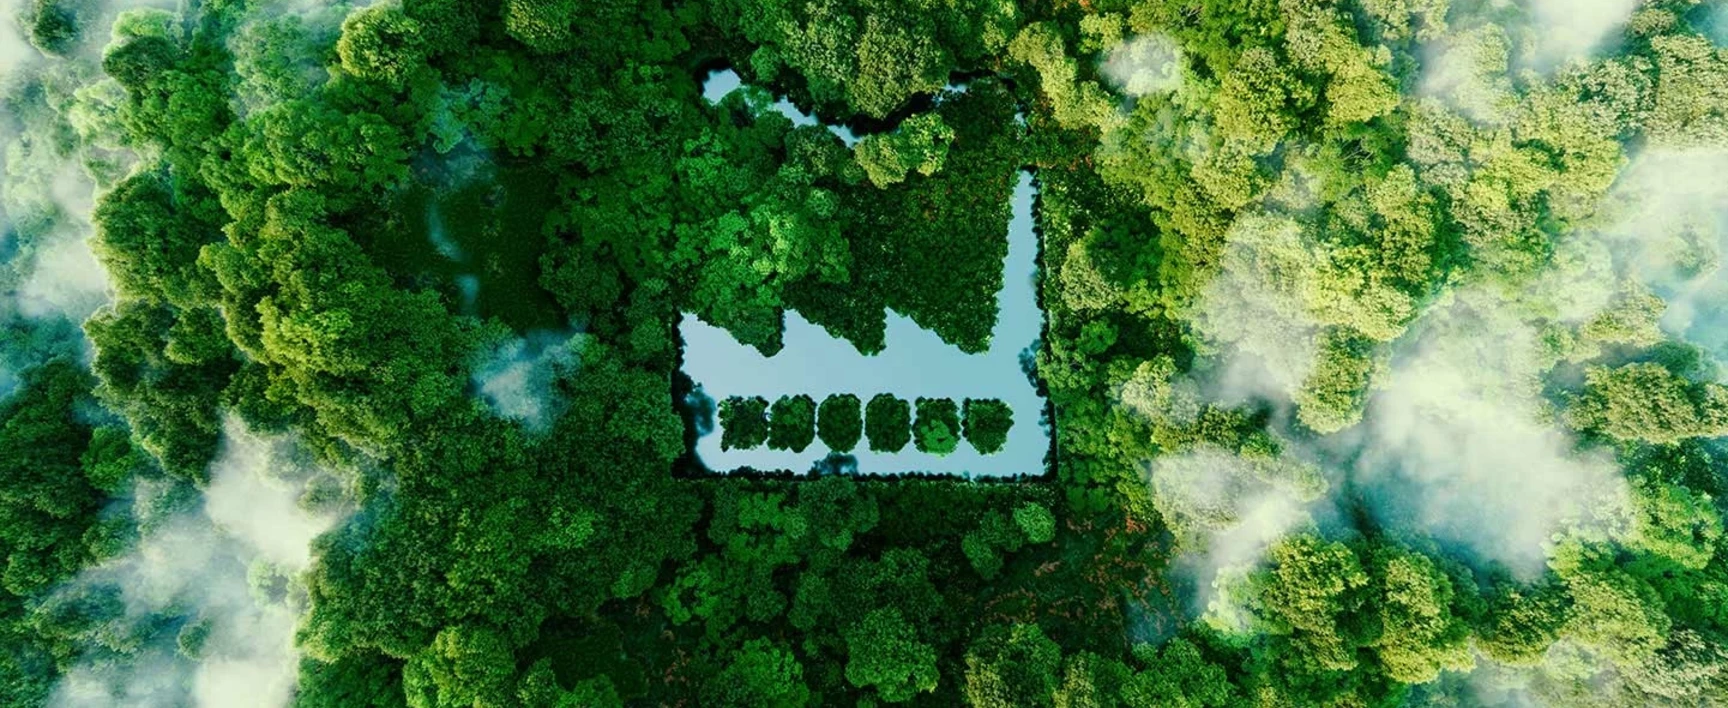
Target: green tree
point(55, 26)
point(1521, 622)
point(1310, 593)
point(1178, 675)
point(1012, 665)
point(1650, 403)
point(1332, 397)
point(791, 423)
point(897, 57)
point(986, 423)
point(48, 504)
point(840, 422)
point(1675, 522)
point(1420, 634)
point(919, 144)
point(361, 679)
point(1035, 522)
point(743, 422)
point(887, 423)
point(760, 674)
point(465, 665)
point(380, 43)
point(937, 428)
point(1258, 100)
point(883, 651)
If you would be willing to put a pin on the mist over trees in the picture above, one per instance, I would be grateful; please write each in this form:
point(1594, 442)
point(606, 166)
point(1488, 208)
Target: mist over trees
point(1383, 344)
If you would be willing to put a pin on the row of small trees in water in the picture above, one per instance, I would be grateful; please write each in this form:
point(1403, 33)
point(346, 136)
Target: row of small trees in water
point(887, 423)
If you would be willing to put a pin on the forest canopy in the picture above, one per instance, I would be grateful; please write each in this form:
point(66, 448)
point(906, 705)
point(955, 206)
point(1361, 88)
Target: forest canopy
point(1384, 342)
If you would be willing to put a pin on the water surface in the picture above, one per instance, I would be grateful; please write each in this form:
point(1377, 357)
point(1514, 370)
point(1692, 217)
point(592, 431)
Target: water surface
point(915, 363)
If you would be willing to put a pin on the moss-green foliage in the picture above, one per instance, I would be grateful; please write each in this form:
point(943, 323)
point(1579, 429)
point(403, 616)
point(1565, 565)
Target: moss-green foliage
point(743, 422)
point(56, 26)
point(840, 422)
point(920, 144)
point(887, 423)
point(885, 654)
point(791, 423)
point(57, 474)
point(1324, 187)
point(936, 430)
point(1650, 403)
point(985, 423)
point(932, 248)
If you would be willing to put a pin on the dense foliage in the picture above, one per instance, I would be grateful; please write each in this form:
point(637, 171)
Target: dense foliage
point(1383, 345)
point(791, 423)
point(986, 422)
point(743, 422)
point(887, 423)
point(936, 429)
point(840, 422)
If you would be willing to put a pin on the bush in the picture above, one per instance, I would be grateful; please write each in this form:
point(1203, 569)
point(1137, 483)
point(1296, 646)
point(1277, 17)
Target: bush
point(792, 423)
point(887, 422)
point(840, 422)
point(743, 423)
point(986, 423)
point(938, 428)
point(1036, 522)
point(55, 25)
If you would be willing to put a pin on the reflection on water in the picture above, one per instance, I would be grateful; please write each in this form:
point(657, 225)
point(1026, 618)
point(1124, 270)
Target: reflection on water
point(725, 81)
point(915, 363)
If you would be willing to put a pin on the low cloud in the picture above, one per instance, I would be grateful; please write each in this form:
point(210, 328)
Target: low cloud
point(1460, 446)
point(518, 380)
point(226, 574)
point(1467, 71)
point(66, 281)
point(1226, 509)
point(1145, 65)
point(1564, 30)
point(1666, 224)
point(1253, 308)
point(15, 50)
point(46, 200)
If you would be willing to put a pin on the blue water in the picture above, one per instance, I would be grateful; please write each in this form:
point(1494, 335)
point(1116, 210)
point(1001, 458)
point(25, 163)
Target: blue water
point(725, 81)
point(914, 363)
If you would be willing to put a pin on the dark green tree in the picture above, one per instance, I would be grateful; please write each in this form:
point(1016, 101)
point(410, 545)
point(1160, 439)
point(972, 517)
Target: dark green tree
point(743, 422)
point(883, 651)
point(887, 423)
point(937, 429)
point(986, 423)
point(761, 674)
point(791, 423)
point(840, 422)
point(1012, 665)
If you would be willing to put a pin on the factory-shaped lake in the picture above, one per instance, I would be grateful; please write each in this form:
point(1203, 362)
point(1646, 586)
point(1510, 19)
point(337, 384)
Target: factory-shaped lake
point(914, 364)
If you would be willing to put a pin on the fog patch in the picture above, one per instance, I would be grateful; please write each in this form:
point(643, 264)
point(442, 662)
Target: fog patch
point(1466, 70)
point(46, 201)
point(1667, 226)
point(212, 591)
point(279, 51)
point(468, 293)
point(439, 237)
point(65, 281)
point(1469, 68)
point(1226, 510)
point(1253, 308)
point(15, 50)
point(1565, 30)
point(518, 380)
point(1145, 65)
point(1460, 446)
